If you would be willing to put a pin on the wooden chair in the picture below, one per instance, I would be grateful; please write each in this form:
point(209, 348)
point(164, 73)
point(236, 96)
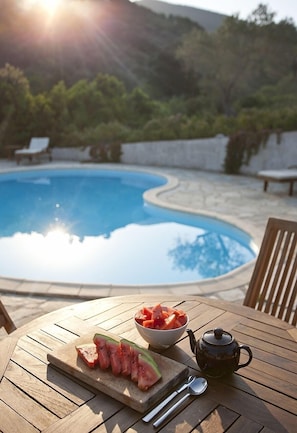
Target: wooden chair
point(273, 285)
point(5, 320)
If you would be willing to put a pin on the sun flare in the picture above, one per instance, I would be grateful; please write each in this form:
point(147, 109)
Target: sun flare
point(49, 6)
point(58, 244)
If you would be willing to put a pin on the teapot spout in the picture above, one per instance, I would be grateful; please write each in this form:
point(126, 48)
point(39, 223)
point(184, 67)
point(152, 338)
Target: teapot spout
point(193, 341)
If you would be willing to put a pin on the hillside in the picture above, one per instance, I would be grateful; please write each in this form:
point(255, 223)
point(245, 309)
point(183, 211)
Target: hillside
point(95, 36)
point(210, 21)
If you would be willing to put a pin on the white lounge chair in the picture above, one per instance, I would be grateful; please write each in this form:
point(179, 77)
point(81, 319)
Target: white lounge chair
point(38, 146)
point(287, 175)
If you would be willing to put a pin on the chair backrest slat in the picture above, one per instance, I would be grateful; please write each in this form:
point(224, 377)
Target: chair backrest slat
point(294, 318)
point(273, 285)
point(268, 287)
point(287, 278)
point(282, 266)
point(5, 320)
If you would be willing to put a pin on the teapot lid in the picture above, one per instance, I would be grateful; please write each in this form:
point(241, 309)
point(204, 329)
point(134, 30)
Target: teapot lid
point(218, 337)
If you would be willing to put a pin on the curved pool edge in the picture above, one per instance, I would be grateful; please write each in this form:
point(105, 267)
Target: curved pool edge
point(235, 279)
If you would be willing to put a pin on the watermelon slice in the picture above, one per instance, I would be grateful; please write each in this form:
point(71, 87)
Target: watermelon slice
point(126, 357)
point(88, 353)
point(137, 371)
point(134, 364)
point(103, 356)
point(148, 373)
point(114, 352)
point(132, 348)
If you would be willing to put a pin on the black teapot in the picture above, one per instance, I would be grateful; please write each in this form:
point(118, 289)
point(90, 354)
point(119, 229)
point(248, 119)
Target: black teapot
point(217, 352)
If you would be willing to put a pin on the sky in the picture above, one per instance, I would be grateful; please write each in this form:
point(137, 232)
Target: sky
point(282, 8)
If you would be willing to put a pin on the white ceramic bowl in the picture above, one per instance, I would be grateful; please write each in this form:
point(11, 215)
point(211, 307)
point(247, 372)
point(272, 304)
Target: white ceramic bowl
point(160, 338)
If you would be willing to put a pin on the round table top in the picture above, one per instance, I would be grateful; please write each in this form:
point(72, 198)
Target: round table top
point(38, 395)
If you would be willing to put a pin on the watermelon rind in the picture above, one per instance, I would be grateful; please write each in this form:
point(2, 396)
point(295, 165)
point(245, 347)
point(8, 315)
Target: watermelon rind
point(98, 335)
point(148, 373)
point(141, 351)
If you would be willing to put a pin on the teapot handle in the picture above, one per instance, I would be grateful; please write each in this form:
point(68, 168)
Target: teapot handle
point(248, 350)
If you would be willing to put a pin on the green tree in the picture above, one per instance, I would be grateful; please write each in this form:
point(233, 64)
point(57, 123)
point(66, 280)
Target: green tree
point(276, 46)
point(113, 95)
point(15, 99)
point(140, 107)
point(58, 103)
point(240, 57)
point(222, 61)
point(101, 100)
point(42, 122)
point(83, 102)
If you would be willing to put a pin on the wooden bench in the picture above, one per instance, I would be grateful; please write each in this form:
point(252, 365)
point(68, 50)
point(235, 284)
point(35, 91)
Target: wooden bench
point(287, 175)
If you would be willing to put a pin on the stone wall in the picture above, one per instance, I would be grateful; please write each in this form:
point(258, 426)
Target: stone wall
point(70, 153)
point(274, 155)
point(209, 153)
point(202, 154)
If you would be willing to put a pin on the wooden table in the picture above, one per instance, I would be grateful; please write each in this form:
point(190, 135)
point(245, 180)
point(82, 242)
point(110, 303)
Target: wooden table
point(35, 396)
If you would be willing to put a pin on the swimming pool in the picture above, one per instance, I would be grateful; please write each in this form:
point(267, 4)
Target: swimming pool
point(93, 226)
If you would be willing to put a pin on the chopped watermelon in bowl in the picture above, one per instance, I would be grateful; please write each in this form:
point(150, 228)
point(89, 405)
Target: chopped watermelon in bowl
point(161, 326)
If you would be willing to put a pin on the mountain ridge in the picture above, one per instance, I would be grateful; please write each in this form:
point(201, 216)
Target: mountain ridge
point(208, 20)
point(115, 37)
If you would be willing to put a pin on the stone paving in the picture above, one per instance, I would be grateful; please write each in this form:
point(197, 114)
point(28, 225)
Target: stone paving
point(239, 200)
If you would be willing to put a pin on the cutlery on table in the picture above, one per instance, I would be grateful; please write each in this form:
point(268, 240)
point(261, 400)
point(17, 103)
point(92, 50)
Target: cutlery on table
point(197, 387)
point(149, 416)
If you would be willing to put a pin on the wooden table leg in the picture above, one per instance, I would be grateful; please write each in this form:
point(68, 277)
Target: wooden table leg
point(265, 185)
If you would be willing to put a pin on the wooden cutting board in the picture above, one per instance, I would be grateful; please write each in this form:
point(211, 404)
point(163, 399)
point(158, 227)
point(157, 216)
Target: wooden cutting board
point(120, 388)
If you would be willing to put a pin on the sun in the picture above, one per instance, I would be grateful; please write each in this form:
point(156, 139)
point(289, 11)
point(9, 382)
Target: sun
point(49, 6)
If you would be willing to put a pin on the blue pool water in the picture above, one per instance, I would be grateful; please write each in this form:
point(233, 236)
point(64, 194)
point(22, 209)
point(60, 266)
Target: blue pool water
point(93, 226)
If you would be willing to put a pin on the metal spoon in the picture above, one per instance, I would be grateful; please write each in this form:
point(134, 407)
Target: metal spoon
point(197, 387)
point(148, 417)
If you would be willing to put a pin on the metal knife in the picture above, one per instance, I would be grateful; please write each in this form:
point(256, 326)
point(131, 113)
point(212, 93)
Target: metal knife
point(149, 416)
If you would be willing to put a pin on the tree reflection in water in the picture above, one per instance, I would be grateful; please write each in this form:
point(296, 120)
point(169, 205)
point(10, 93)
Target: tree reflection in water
point(210, 254)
